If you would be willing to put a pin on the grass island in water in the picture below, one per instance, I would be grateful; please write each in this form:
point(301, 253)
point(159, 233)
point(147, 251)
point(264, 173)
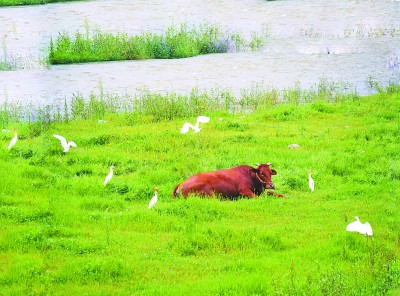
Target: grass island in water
point(177, 42)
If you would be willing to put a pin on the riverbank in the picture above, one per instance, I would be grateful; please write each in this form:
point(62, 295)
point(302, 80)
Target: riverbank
point(29, 2)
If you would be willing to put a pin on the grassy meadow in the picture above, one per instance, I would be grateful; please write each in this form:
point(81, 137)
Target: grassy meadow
point(176, 42)
point(64, 233)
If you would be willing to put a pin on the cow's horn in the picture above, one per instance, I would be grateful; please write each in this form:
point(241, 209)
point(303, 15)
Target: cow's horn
point(257, 164)
point(269, 163)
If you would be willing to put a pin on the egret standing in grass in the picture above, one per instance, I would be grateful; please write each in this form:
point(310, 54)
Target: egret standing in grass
point(109, 176)
point(196, 128)
point(13, 140)
point(293, 146)
point(310, 181)
point(359, 227)
point(153, 201)
point(66, 145)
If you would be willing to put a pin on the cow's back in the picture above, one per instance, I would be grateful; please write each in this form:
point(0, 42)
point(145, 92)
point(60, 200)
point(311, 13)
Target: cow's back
point(222, 182)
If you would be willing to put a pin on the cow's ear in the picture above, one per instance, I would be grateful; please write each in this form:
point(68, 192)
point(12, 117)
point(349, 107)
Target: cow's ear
point(253, 170)
point(273, 172)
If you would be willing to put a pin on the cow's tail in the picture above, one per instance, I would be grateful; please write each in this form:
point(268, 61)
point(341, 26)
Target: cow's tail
point(176, 191)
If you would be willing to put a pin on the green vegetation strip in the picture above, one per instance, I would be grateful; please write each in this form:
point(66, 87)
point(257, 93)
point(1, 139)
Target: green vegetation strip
point(169, 106)
point(176, 42)
point(29, 2)
point(63, 232)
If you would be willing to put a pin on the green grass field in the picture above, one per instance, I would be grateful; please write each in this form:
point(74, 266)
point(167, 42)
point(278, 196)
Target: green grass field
point(64, 233)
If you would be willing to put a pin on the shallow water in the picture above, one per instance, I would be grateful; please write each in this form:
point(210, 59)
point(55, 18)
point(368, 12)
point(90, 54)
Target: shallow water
point(349, 41)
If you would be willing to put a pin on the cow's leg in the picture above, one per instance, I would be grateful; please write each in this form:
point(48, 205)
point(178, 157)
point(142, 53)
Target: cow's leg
point(270, 192)
point(201, 189)
point(206, 190)
point(248, 193)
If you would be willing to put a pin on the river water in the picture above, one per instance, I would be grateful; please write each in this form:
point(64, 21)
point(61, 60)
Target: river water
point(341, 41)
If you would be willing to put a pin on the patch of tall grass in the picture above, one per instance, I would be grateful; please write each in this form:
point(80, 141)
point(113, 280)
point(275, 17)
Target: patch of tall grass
point(169, 106)
point(63, 232)
point(11, 61)
point(176, 42)
point(8, 62)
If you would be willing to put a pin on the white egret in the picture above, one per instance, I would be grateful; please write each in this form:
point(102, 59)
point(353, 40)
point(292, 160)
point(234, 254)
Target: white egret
point(109, 176)
point(291, 146)
point(196, 129)
point(310, 181)
point(13, 140)
point(359, 227)
point(153, 201)
point(66, 145)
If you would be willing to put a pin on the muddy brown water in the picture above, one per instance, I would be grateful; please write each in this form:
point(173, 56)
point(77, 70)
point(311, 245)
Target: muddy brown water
point(341, 41)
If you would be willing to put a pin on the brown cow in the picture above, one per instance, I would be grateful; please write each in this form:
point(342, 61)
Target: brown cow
point(243, 180)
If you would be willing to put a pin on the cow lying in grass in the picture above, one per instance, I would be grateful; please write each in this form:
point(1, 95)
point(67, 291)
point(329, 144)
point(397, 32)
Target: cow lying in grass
point(242, 180)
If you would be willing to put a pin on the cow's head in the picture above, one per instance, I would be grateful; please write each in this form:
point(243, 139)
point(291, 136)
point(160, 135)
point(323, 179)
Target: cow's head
point(263, 173)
